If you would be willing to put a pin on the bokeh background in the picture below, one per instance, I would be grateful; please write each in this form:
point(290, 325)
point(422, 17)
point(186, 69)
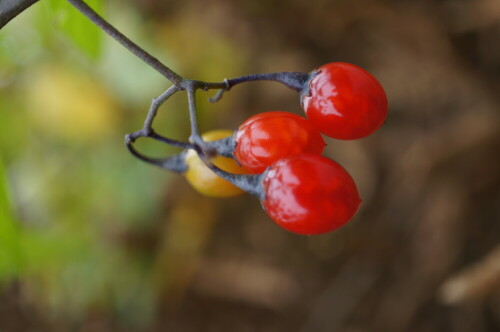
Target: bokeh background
point(92, 239)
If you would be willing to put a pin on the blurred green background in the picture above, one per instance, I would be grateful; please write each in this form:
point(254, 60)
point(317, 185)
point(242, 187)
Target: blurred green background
point(92, 239)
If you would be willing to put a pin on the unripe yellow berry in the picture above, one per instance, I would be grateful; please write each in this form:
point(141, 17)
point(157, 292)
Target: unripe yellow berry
point(203, 179)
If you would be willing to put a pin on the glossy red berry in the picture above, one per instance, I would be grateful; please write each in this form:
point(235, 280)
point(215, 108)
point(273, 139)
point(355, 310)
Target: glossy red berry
point(309, 194)
point(345, 101)
point(267, 137)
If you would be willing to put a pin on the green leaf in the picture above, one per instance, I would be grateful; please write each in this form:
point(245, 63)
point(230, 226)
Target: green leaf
point(80, 30)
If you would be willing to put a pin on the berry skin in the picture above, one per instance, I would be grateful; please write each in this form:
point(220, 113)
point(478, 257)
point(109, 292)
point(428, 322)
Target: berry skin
point(345, 101)
point(309, 194)
point(267, 137)
point(203, 179)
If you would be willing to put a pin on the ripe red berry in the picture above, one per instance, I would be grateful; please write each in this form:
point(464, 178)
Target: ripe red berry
point(345, 101)
point(267, 137)
point(309, 194)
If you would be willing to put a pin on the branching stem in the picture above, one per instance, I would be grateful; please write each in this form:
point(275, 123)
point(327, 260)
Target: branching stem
point(176, 163)
point(155, 104)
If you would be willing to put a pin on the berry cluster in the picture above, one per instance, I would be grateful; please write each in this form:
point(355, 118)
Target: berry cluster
point(277, 155)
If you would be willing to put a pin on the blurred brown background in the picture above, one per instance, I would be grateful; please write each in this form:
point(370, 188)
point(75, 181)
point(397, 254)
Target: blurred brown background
point(111, 244)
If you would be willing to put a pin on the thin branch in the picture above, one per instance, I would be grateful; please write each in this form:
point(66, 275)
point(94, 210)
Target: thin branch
point(169, 141)
point(294, 80)
point(11, 8)
point(156, 103)
point(175, 163)
point(127, 43)
point(193, 118)
point(132, 137)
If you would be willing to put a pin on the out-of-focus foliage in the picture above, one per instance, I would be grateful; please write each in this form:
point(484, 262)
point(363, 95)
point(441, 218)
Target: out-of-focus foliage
point(83, 33)
point(9, 234)
point(53, 90)
point(76, 210)
point(92, 239)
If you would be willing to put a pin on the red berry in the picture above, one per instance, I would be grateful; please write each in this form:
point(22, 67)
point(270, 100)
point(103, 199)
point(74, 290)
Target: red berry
point(268, 137)
point(345, 101)
point(309, 194)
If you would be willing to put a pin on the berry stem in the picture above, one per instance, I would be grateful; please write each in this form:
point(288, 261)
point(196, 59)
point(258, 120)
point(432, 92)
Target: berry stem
point(293, 80)
point(132, 137)
point(195, 137)
point(175, 163)
point(251, 183)
point(224, 146)
point(170, 141)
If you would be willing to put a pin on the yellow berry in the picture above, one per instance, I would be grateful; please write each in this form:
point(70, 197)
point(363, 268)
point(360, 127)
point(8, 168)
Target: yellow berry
point(203, 179)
